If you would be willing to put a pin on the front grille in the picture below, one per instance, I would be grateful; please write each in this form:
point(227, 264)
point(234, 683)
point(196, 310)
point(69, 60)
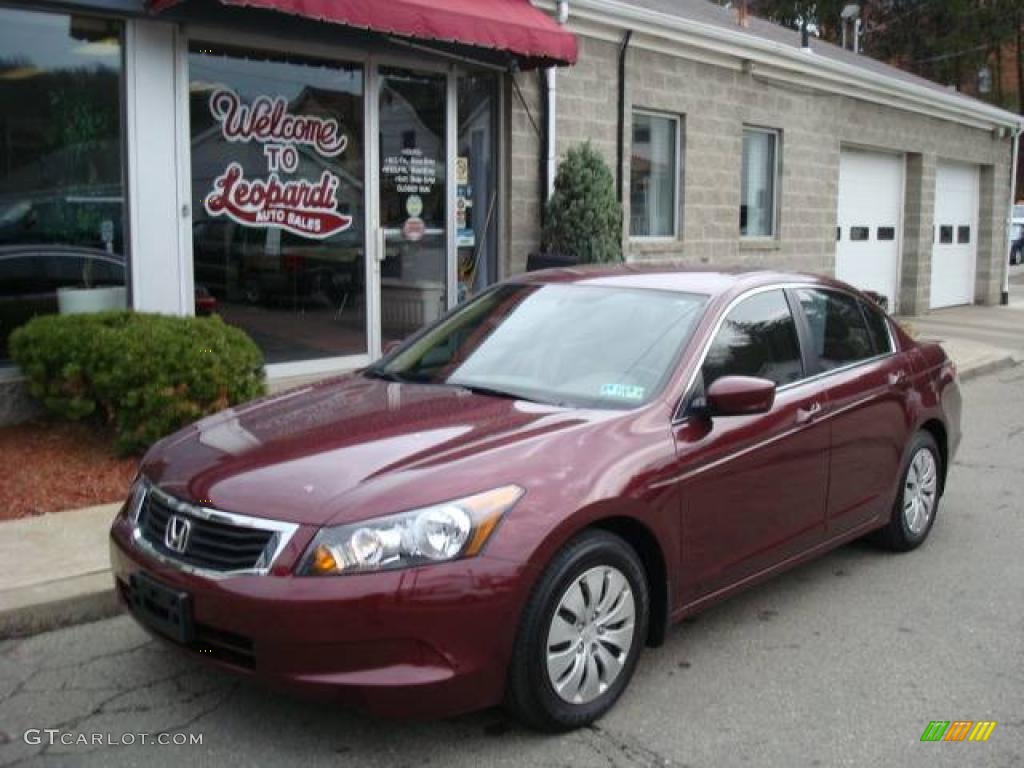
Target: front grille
point(211, 544)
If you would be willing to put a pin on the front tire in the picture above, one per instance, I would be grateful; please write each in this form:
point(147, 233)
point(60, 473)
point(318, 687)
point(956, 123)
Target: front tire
point(917, 502)
point(580, 635)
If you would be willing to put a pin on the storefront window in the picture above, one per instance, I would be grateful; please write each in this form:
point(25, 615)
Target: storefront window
point(278, 186)
point(61, 182)
point(476, 181)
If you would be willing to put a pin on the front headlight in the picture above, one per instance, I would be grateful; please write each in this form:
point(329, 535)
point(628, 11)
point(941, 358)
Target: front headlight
point(433, 534)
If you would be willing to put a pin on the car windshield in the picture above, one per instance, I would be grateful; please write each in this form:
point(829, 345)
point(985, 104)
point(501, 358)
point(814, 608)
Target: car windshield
point(561, 344)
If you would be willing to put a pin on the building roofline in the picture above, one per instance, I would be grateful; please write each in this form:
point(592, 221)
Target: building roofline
point(772, 58)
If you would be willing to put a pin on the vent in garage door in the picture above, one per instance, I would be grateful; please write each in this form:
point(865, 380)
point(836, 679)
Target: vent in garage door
point(954, 256)
point(870, 216)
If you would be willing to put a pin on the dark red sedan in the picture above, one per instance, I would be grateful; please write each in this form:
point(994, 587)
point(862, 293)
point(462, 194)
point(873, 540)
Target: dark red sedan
point(513, 503)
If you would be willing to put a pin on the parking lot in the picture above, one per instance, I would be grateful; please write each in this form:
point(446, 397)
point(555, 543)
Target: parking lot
point(840, 662)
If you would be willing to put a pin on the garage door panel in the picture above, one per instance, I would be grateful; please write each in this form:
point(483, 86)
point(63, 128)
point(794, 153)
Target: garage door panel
point(954, 254)
point(870, 221)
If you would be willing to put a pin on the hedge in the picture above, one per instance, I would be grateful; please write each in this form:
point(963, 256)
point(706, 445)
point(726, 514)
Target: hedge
point(146, 375)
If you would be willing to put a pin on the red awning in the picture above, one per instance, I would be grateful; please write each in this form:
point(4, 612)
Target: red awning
point(514, 26)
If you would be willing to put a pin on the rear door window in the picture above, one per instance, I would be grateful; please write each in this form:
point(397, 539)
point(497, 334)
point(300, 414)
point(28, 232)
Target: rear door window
point(838, 332)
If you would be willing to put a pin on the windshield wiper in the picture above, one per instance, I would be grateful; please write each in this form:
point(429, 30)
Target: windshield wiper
point(380, 373)
point(477, 389)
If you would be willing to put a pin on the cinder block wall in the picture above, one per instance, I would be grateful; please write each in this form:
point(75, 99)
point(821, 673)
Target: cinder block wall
point(715, 102)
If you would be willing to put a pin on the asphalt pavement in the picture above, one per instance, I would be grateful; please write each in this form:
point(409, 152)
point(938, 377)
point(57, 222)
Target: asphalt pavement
point(842, 662)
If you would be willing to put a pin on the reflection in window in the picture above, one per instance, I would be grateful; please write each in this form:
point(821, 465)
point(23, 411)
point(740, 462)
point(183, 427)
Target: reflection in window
point(476, 183)
point(758, 338)
point(283, 256)
point(945, 234)
point(886, 233)
point(61, 188)
point(860, 234)
point(413, 200)
point(615, 347)
point(963, 235)
point(654, 168)
point(758, 194)
point(839, 334)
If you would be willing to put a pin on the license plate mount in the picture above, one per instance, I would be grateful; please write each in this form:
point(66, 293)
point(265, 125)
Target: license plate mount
point(163, 609)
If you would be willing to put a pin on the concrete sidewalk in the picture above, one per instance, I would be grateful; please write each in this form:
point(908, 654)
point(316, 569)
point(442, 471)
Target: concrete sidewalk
point(978, 339)
point(54, 569)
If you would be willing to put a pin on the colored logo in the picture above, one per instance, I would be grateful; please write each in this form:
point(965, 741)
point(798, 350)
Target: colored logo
point(305, 207)
point(958, 730)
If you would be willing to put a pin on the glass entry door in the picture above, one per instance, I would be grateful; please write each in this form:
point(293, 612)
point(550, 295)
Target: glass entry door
point(413, 239)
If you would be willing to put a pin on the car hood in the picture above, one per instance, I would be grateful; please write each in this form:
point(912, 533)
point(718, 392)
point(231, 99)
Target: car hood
point(352, 448)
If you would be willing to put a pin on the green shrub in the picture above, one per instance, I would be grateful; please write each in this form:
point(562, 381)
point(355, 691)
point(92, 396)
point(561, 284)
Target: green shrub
point(146, 375)
point(583, 217)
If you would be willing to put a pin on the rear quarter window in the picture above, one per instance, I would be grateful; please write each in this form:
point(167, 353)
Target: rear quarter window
point(878, 328)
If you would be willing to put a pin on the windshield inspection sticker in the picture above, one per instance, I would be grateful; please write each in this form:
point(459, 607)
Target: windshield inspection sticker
point(623, 391)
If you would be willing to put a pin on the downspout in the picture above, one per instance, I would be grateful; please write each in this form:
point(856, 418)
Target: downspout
point(1005, 298)
point(551, 133)
point(621, 146)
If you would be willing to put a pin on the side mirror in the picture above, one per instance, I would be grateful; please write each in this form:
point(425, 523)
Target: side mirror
point(740, 396)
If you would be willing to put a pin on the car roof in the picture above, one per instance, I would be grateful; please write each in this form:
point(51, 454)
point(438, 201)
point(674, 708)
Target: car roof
point(670, 277)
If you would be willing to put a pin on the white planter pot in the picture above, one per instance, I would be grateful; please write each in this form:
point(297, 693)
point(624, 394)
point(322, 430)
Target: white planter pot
point(78, 301)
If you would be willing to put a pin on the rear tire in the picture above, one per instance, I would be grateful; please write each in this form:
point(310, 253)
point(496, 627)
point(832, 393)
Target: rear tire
point(917, 502)
point(580, 634)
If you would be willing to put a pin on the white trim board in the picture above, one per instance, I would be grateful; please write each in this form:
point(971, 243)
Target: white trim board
point(781, 60)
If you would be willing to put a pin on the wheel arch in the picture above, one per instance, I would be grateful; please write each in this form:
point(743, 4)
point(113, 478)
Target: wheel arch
point(646, 545)
point(937, 430)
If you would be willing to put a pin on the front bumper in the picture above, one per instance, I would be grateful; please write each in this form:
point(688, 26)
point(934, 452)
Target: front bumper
point(431, 641)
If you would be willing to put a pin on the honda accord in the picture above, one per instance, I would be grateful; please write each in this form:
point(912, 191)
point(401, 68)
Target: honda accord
point(512, 504)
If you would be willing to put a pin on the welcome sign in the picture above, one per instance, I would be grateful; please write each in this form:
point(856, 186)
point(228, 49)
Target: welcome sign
point(308, 208)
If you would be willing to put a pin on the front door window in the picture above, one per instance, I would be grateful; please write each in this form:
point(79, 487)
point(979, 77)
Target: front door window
point(278, 198)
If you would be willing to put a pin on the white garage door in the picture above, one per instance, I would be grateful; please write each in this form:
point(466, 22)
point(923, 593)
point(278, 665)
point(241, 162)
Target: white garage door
point(956, 235)
point(870, 221)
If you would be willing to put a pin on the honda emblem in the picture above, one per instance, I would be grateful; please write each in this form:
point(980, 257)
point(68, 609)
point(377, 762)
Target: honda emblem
point(177, 533)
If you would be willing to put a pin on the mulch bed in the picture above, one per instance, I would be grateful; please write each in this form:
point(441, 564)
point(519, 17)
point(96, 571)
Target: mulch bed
point(54, 466)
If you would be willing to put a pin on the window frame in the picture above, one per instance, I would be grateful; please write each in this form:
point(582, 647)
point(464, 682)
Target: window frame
point(677, 186)
point(812, 366)
point(776, 133)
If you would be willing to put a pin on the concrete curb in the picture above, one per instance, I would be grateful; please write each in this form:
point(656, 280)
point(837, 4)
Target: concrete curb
point(992, 366)
point(44, 607)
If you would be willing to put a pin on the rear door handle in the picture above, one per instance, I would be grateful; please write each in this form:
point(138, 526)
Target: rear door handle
point(896, 378)
point(808, 414)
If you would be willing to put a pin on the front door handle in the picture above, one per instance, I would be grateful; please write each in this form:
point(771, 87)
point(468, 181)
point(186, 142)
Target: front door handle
point(808, 414)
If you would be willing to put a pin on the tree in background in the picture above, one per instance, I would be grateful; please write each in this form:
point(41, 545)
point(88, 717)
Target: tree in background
point(951, 42)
